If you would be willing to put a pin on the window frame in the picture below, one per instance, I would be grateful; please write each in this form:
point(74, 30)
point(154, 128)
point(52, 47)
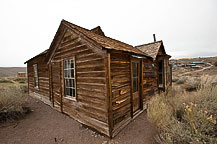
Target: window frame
point(136, 77)
point(69, 78)
point(35, 76)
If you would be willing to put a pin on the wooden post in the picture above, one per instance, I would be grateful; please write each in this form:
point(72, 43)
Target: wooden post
point(60, 84)
point(52, 95)
point(28, 76)
point(50, 82)
point(131, 87)
point(141, 85)
point(109, 92)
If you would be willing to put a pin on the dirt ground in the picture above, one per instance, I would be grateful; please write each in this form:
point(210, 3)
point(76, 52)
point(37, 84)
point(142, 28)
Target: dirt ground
point(45, 125)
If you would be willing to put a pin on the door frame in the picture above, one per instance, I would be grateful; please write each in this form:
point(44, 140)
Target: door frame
point(140, 85)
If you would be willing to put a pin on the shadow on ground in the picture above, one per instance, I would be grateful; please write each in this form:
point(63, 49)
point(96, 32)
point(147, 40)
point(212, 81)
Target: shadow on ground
point(45, 125)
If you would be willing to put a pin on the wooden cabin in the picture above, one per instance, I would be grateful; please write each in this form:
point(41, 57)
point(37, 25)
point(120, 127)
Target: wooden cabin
point(100, 82)
point(21, 74)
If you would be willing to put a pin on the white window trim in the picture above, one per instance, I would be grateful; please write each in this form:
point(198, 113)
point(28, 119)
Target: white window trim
point(36, 86)
point(73, 78)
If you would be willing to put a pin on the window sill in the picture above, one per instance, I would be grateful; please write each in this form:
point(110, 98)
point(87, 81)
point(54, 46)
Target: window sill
point(70, 98)
point(36, 87)
point(160, 85)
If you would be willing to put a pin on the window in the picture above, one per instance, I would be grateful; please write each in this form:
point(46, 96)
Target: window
point(135, 76)
point(35, 75)
point(69, 78)
point(160, 72)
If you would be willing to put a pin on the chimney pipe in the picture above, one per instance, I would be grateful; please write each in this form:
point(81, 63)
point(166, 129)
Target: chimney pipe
point(154, 37)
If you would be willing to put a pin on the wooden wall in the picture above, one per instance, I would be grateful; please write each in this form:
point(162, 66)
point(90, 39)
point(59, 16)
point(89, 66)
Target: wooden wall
point(103, 95)
point(121, 85)
point(150, 79)
point(90, 108)
point(43, 77)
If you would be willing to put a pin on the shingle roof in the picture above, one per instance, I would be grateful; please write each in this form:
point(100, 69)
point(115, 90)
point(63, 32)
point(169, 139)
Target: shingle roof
point(98, 31)
point(104, 41)
point(42, 53)
point(151, 48)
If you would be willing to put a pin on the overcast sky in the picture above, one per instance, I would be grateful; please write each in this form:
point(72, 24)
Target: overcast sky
point(188, 28)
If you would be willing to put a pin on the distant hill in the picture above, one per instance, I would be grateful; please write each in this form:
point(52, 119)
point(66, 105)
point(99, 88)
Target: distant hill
point(11, 71)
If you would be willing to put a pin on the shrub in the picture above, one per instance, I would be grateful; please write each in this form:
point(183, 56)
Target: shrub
point(12, 99)
point(21, 80)
point(186, 117)
point(4, 80)
point(180, 81)
point(215, 64)
point(175, 79)
point(24, 88)
point(192, 84)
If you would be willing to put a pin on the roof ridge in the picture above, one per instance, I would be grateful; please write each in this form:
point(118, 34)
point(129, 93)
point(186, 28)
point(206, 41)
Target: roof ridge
point(80, 29)
point(149, 43)
point(96, 33)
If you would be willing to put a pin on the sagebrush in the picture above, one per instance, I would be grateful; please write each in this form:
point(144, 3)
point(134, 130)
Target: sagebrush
point(186, 117)
point(12, 99)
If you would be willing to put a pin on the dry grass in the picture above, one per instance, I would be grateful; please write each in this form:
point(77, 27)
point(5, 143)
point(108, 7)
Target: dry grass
point(186, 117)
point(12, 99)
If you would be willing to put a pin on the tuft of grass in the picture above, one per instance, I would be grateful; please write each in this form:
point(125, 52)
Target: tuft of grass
point(186, 117)
point(12, 99)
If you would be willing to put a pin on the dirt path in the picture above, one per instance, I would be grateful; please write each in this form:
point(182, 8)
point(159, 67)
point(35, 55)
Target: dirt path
point(197, 70)
point(46, 126)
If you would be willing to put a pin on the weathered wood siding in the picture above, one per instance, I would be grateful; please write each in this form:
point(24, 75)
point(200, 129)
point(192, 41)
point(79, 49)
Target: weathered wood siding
point(90, 107)
point(150, 79)
point(43, 79)
point(121, 85)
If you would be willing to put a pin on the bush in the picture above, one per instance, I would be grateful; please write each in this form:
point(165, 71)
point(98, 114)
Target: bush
point(186, 117)
point(175, 79)
point(192, 84)
point(12, 99)
point(21, 80)
point(215, 64)
point(24, 88)
point(4, 80)
point(180, 81)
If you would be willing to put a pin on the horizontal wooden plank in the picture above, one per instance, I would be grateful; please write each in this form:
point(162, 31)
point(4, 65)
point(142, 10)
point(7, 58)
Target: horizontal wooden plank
point(97, 80)
point(96, 74)
point(91, 92)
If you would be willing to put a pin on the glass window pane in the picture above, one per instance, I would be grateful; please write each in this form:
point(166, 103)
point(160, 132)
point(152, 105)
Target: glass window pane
point(70, 90)
point(68, 66)
point(72, 63)
point(135, 82)
point(73, 83)
point(135, 69)
point(70, 82)
point(73, 93)
point(72, 73)
point(68, 74)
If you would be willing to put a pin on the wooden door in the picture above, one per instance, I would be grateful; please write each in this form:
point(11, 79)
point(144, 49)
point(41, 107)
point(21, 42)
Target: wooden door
point(135, 86)
point(56, 78)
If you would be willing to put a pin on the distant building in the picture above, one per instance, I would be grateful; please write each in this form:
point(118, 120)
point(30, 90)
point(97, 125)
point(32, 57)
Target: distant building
point(21, 74)
point(190, 65)
point(196, 67)
point(198, 62)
